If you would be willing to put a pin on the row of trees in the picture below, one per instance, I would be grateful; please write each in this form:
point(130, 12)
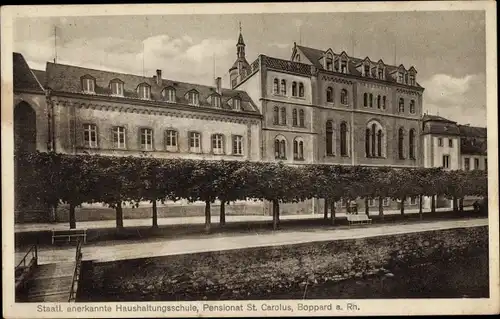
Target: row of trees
point(75, 179)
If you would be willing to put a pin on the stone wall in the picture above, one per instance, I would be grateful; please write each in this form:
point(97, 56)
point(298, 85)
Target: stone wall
point(247, 273)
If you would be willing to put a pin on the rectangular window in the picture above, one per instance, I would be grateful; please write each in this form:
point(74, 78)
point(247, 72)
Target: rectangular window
point(412, 201)
point(146, 139)
point(386, 201)
point(372, 202)
point(90, 135)
point(237, 145)
point(380, 74)
point(237, 104)
point(467, 164)
point(117, 88)
point(171, 140)
point(193, 98)
point(450, 142)
point(343, 66)
point(169, 95)
point(476, 163)
point(440, 141)
point(400, 77)
point(218, 144)
point(119, 137)
point(367, 70)
point(216, 101)
point(144, 92)
point(88, 85)
point(446, 161)
point(195, 142)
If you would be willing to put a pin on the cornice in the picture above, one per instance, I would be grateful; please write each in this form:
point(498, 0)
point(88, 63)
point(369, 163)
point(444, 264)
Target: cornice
point(189, 114)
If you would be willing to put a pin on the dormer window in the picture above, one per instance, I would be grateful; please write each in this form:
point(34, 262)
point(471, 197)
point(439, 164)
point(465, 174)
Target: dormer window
point(169, 95)
point(380, 73)
point(116, 88)
point(400, 77)
point(88, 84)
point(193, 98)
point(412, 79)
point(144, 91)
point(216, 101)
point(343, 66)
point(367, 70)
point(236, 104)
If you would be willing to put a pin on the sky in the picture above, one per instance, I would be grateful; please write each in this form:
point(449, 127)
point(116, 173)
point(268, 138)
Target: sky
point(446, 47)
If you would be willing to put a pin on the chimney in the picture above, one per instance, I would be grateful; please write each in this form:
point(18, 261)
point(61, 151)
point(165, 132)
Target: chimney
point(158, 77)
point(218, 84)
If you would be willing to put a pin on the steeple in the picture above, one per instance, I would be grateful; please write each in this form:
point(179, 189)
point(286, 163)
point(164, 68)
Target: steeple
point(240, 45)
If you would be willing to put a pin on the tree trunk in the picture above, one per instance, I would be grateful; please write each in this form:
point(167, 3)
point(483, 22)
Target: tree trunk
point(402, 207)
point(332, 213)
point(420, 204)
point(276, 209)
point(454, 203)
point(461, 205)
point(381, 207)
point(367, 208)
point(119, 215)
point(433, 204)
point(72, 216)
point(208, 218)
point(155, 215)
point(222, 212)
point(325, 210)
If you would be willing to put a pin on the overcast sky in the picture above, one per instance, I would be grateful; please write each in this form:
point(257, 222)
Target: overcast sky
point(446, 48)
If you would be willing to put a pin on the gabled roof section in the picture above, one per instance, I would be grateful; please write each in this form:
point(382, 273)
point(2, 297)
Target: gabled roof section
point(313, 55)
point(116, 80)
point(412, 69)
point(66, 78)
point(343, 54)
point(23, 78)
point(40, 75)
point(436, 118)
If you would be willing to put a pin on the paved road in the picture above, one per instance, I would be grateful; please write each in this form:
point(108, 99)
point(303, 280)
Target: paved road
point(120, 250)
point(185, 220)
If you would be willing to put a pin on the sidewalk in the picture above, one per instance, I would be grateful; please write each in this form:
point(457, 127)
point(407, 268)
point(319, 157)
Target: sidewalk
point(196, 220)
point(120, 250)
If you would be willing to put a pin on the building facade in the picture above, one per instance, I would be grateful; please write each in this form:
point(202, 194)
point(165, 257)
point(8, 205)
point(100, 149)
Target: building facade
point(328, 108)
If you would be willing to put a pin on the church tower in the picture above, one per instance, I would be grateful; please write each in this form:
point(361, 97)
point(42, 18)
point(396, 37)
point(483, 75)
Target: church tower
point(240, 67)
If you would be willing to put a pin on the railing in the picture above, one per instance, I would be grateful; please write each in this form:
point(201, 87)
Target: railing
point(34, 255)
point(76, 273)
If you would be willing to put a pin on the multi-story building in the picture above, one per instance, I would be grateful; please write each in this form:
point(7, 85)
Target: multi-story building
point(80, 110)
point(452, 146)
point(329, 108)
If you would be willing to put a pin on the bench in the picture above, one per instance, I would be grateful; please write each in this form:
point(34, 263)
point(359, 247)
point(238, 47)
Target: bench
point(69, 234)
point(358, 219)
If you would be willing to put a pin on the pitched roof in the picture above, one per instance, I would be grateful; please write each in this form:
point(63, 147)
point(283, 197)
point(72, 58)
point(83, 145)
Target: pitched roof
point(435, 118)
point(67, 78)
point(40, 75)
point(23, 78)
point(441, 128)
point(472, 131)
point(314, 55)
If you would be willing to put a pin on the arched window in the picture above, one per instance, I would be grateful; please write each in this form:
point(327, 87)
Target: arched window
point(276, 116)
point(412, 144)
point(294, 88)
point(400, 143)
point(344, 97)
point(343, 139)
point(329, 138)
point(365, 99)
point(301, 89)
point(329, 94)
point(283, 87)
point(283, 116)
point(301, 118)
point(401, 105)
point(371, 100)
point(412, 107)
point(280, 147)
point(367, 142)
point(373, 135)
point(276, 86)
point(298, 148)
point(379, 98)
point(294, 117)
point(379, 143)
point(375, 139)
point(383, 102)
